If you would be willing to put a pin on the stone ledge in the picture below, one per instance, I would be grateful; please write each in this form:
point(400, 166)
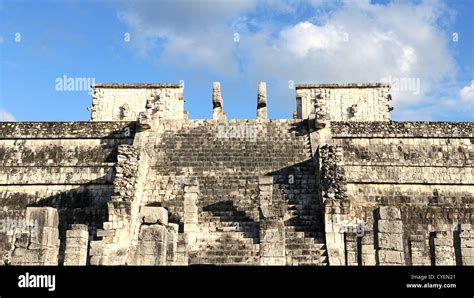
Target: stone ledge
point(67, 130)
point(346, 85)
point(137, 85)
point(402, 129)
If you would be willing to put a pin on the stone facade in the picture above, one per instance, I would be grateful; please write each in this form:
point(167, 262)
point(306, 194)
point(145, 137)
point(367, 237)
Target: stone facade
point(141, 184)
point(344, 102)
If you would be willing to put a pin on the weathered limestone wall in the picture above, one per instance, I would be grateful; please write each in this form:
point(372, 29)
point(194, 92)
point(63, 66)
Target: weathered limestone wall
point(124, 102)
point(77, 243)
point(344, 102)
point(38, 245)
point(422, 169)
point(68, 166)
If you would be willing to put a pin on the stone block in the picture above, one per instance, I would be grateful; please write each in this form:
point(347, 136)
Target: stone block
point(272, 235)
point(191, 189)
point(173, 227)
point(190, 226)
point(190, 198)
point(77, 242)
point(105, 233)
point(95, 248)
point(77, 234)
point(269, 261)
point(46, 237)
point(444, 241)
point(155, 233)
point(390, 241)
point(191, 208)
point(265, 180)
point(22, 240)
point(45, 216)
point(467, 260)
point(21, 256)
point(467, 242)
point(390, 226)
point(390, 257)
point(368, 259)
point(151, 248)
point(153, 215)
point(272, 249)
point(389, 213)
point(468, 252)
point(78, 227)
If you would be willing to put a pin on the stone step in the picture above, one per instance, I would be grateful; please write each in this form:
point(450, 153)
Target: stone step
point(230, 235)
point(305, 246)
point(204, 241)
point(207, 247)
point(254, 260)
point(237, 224)
point(306, 261)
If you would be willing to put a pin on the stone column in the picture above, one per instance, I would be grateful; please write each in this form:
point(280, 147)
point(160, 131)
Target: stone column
point(444, 249)
point(367, 248)
point(191, 219)
point(182, 251)
point(419, 250)
point(40, 245)
point(217, 102)
point(272, 242)
point(172, 249)
point(152, 245)
point(390, 237)
point(335, 218)
point(262, 101)
point(352, 252)
point(467, 245)
point(77, 241)
point(272, 226)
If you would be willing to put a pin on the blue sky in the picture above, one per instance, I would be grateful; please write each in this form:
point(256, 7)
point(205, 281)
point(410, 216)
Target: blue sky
point(237, 43)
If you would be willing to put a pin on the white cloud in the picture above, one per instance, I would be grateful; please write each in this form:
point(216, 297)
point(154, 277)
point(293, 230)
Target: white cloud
point(355, 41)
point(6, 116)
point(467, 94)
point(195, 33)
point(399, 40)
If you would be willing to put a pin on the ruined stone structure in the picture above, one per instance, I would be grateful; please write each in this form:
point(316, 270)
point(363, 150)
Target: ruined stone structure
point(141, 184)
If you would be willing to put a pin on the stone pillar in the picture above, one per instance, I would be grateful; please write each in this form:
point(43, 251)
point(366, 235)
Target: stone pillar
point(367, 248)
point(335, 218)
point(217, 102)
point(191, 219)
point(444, 249)
point(152, 245)
point(77, 241)
point(172, 249)
point(182, 251)
point(352, 251)
point(272, 242)
point(390, 237)
point(40, 245)
point(121, 230)
point(262, 101)
point(272, 226)
point(467, 245)
point(419, 250)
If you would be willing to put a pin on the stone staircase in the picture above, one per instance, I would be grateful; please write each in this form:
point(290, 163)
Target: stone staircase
point(304, 227)
point(227, 170)
point(227, 236)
